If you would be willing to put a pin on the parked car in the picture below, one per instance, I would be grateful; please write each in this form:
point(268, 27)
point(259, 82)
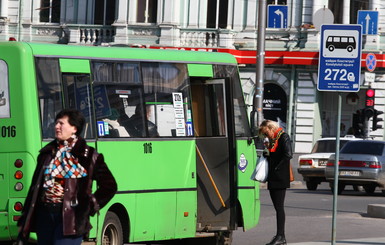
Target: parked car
point(312, 166)
point(360, 163)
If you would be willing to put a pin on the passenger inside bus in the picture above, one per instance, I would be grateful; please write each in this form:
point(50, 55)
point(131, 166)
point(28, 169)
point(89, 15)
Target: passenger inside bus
point(115, 128)
point(136, 124)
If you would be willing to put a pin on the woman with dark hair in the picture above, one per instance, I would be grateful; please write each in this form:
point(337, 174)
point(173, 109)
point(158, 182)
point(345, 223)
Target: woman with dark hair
point(60, 199)
point(278, 180)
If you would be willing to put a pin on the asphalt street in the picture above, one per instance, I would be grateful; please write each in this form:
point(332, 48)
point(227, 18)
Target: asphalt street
point(309, 218)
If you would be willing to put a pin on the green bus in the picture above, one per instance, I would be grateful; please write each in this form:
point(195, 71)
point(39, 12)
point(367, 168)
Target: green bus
point(183, 166)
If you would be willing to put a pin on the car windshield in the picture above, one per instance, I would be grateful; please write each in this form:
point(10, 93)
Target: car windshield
point(327, 146)
point(371, 148)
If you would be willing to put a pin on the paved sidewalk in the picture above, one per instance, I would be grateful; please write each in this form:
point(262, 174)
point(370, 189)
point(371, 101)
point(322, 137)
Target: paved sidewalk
point(362, 241)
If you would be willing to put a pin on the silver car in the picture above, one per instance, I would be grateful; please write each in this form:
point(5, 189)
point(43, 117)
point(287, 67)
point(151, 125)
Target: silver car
point(312, 166)
point(360, 163)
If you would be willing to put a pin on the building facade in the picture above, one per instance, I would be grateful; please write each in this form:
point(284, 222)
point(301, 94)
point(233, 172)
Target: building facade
point(291, 48)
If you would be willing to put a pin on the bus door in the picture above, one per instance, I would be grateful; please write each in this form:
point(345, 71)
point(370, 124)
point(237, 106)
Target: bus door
point(212, 146)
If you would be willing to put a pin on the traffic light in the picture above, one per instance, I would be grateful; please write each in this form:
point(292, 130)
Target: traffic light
point(376, 120)
point(359, 123)
point(368, 111)
point(370, 94)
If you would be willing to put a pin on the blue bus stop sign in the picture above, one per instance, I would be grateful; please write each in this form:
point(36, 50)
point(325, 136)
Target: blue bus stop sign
point(369, 21)
point(340, 58)
point(277, 16)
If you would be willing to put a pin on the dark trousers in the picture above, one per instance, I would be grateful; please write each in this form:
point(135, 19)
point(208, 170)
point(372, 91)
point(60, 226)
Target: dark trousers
point(50, 228)
point(278, 198)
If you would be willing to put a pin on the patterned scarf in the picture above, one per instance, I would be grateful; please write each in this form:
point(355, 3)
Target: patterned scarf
point(64, 165)
point(274, 141)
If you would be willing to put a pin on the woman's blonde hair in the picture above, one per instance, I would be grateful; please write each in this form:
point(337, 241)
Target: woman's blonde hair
point(267, 124)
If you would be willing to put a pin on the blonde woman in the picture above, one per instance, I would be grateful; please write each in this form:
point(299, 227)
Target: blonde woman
point(280, 153)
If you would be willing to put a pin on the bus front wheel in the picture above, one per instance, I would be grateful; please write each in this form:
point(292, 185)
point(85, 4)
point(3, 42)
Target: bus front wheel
point(112, 233)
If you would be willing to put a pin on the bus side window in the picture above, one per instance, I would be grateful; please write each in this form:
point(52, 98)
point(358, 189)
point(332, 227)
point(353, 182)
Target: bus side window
point(49, 89)
point(4, 92)
point(117, 90)
point(77, 94)
point(163, 82)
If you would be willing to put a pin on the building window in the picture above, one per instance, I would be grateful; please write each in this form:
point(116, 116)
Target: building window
point(217, 8)
point(146, 11)
point(280, 2)
point(50, 11)
point(337, 8)
point(104, 12)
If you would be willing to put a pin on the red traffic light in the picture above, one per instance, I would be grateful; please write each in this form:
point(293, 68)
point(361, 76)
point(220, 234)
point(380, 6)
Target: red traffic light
point(370, 93)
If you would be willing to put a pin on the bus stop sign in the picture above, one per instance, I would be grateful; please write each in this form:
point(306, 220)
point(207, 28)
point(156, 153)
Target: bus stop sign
point(340, 58)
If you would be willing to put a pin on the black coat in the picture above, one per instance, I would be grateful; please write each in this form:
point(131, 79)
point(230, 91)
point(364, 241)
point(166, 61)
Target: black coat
point(279, 164)
point(75, 218)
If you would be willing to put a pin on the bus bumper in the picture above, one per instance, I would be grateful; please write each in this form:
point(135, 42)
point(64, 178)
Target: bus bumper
point(4, 227)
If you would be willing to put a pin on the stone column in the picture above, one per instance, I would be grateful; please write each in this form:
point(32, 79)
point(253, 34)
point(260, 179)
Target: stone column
point(202, 16)
point(346, 12)
point(239, 18)
point(193, 8)
point(132, 11)
point(251, 14)
point(170, 20)
point(121, 32)
point(4, 9)
point(230, 14)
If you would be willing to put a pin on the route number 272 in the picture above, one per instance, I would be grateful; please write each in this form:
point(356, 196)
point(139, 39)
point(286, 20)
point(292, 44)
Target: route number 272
point(336, 74)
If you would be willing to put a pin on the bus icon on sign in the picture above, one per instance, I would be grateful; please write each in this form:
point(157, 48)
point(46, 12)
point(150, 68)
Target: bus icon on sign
point(341, 42)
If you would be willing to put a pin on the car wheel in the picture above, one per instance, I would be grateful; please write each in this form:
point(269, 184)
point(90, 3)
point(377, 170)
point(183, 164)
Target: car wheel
point(311, 185)
point(369, 189)
point(356, 188)
point(112, 233)
point(341, 188)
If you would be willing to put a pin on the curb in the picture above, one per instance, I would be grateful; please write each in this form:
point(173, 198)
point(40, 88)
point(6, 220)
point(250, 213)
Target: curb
point(294, 184)
point(376, 210)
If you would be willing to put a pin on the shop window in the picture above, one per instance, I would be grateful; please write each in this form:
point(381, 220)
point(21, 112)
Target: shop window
point(50, 11)
point(146, 11)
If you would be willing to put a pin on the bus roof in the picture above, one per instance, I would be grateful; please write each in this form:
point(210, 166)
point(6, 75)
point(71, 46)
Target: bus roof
point(122, 53)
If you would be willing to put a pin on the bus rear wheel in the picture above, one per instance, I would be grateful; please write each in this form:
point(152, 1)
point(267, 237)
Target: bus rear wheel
point(224, 238)
point(112, 233)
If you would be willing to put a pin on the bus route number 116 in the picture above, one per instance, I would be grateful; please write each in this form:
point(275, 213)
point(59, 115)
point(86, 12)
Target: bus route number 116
point(339, 75)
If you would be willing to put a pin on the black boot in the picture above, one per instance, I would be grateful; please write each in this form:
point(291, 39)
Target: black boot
point(278, 240)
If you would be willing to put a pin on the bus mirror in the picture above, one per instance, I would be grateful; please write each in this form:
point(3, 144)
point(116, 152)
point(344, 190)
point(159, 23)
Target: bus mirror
point(253, 120)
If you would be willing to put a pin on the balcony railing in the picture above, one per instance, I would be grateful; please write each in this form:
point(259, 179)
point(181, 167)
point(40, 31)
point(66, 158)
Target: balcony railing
point(198, 38)
point(90, 34)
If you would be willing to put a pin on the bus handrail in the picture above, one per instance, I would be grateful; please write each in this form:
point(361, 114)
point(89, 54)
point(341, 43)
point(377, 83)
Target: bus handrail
point(211, 178)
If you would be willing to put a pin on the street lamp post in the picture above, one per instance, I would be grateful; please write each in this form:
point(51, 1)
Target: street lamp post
point(258, 95)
